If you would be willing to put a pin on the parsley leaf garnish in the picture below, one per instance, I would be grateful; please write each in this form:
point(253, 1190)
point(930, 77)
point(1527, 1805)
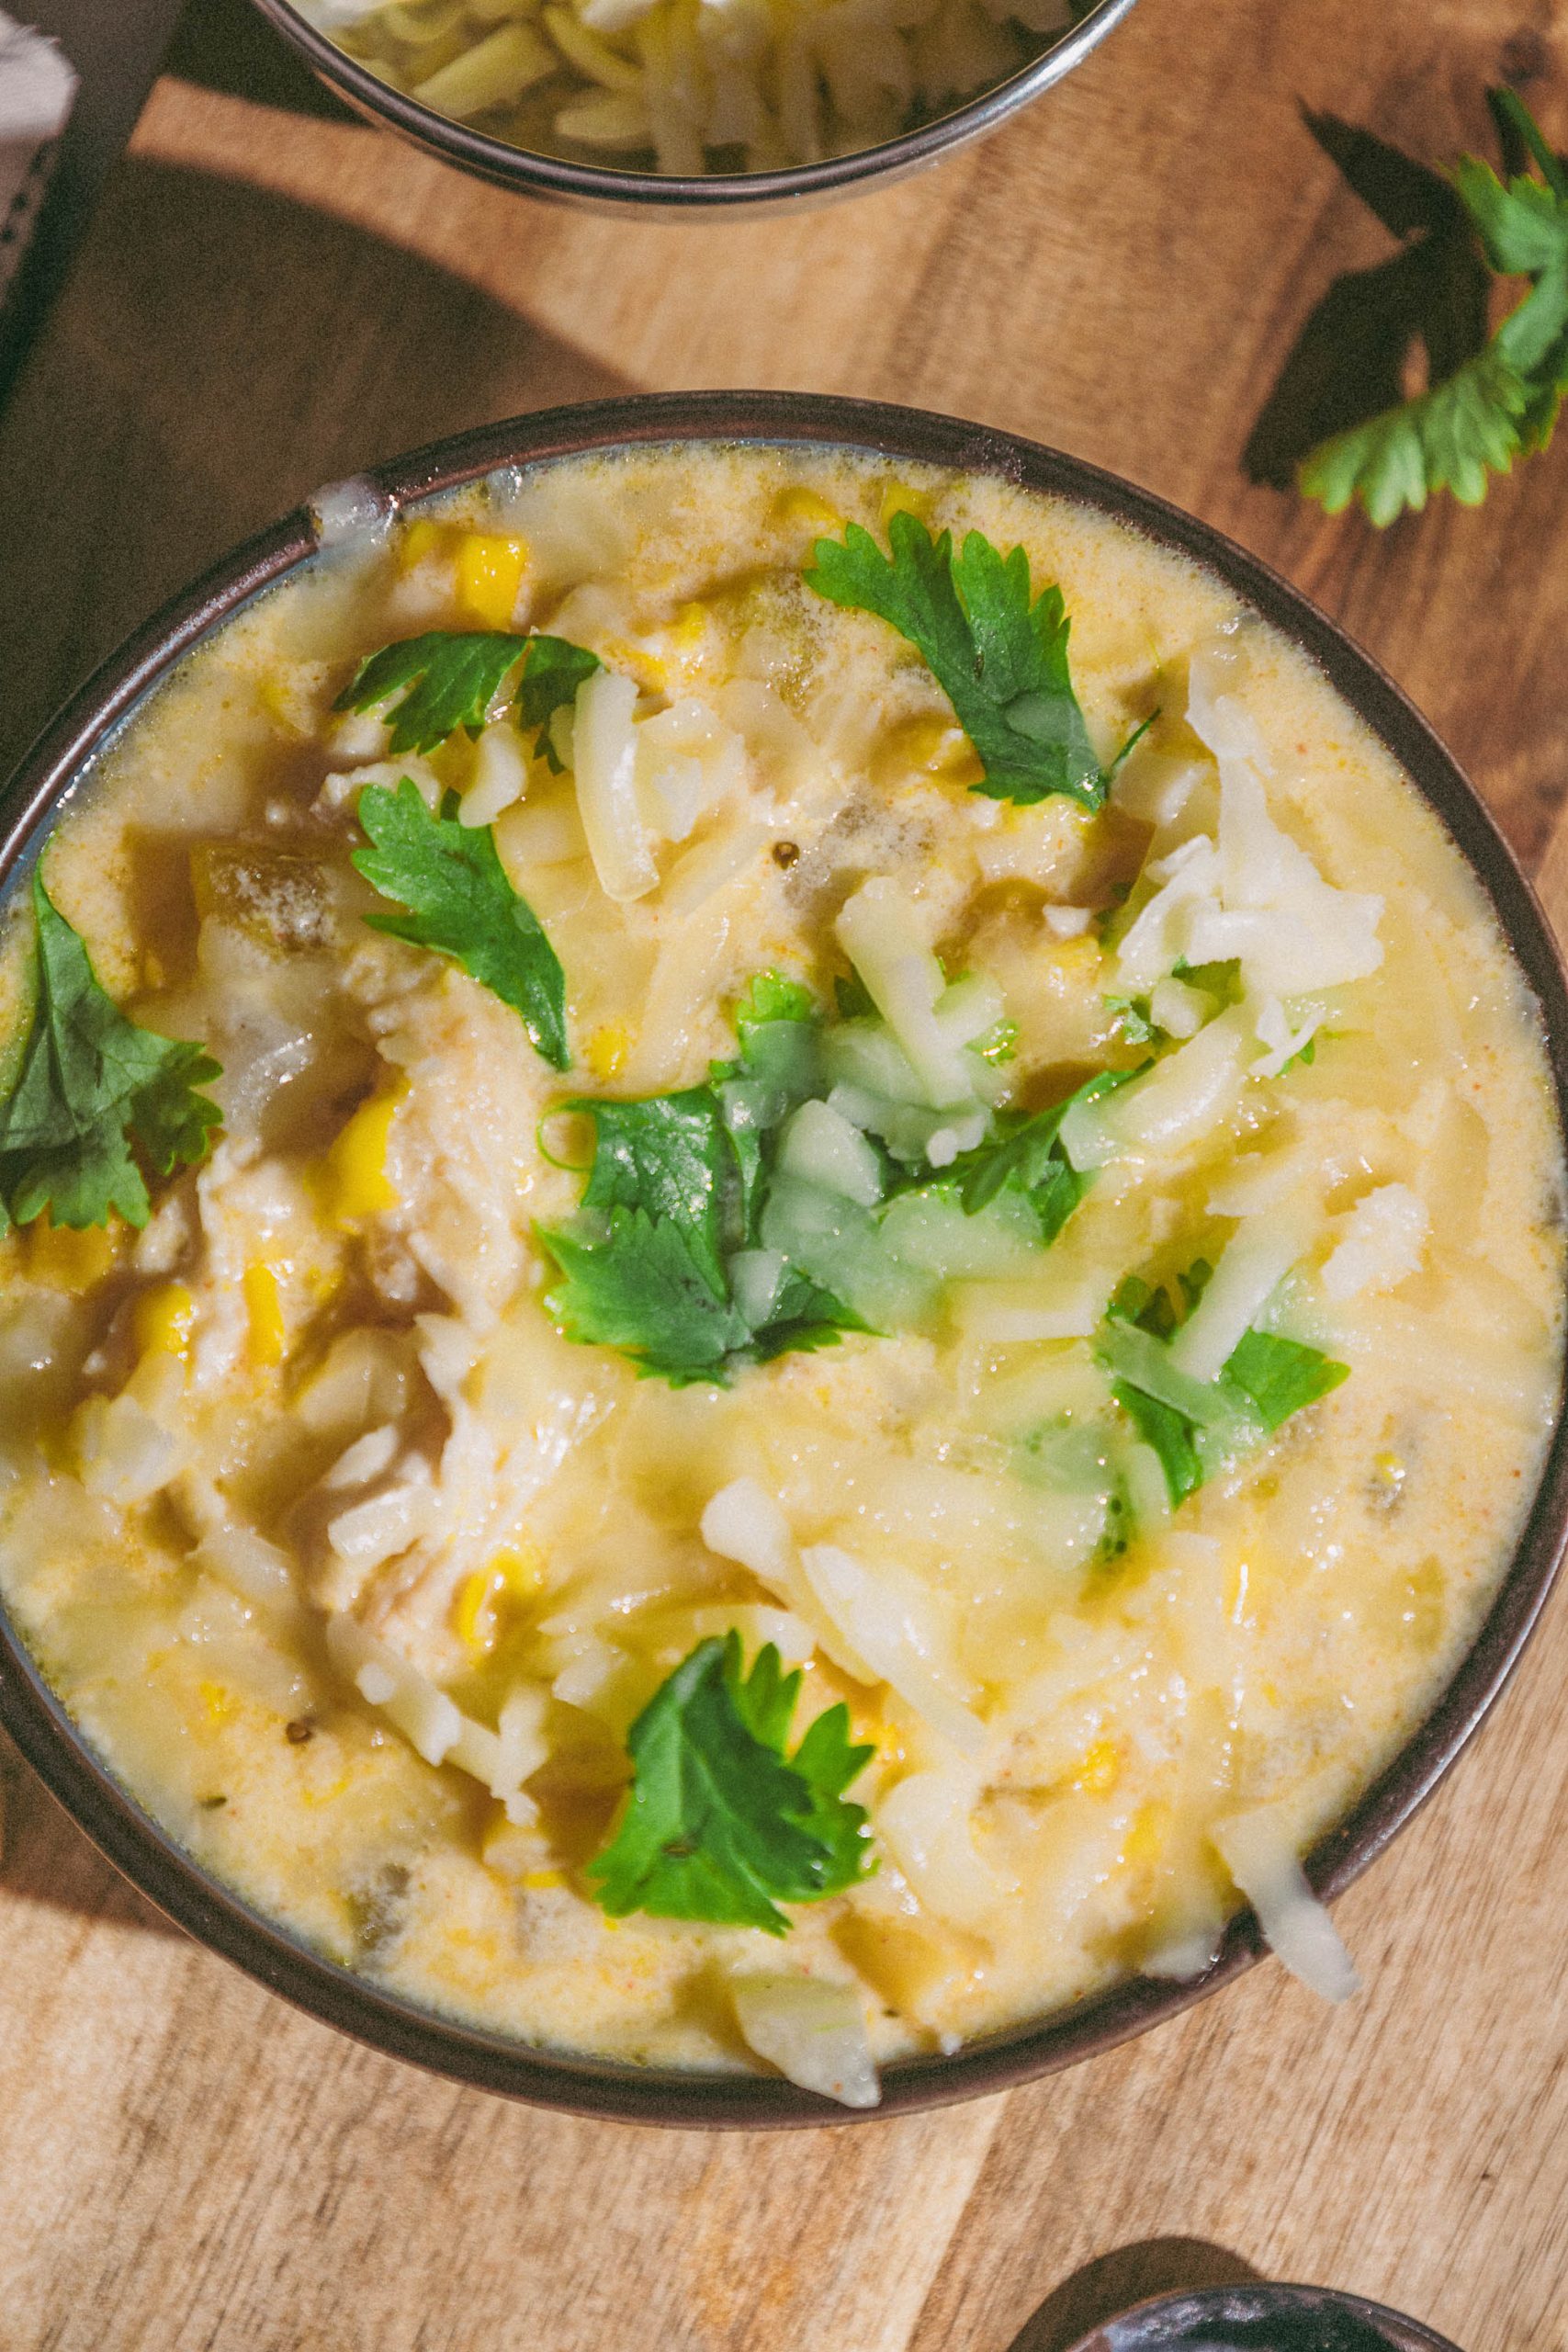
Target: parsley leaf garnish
point(90, 1084)
point(1491, 397)
point(721, 1824)
point(998, 653)
point(1194, 1426)
point(453, 676)
point(461, 904)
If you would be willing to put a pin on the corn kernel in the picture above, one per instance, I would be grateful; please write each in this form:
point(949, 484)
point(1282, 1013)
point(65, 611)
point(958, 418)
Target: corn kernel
point(897, 498)
point(515, 1574)
point(471, 1618)
point(286, 696)
point(1391, 1471)
point(936, 747)
point(799, 504)
point(607, 1048)
point(652, 671)
point(1099, 1767)
point(262, 1290)
point(358, 1183)
point(1149, 1835)
point(490, 577)
point(216, 1702)
point(161, 1321)
point(1077, 959)
point(63, 1258)
point(419, 540)
point(876, 1731)
point(538, 1880)
point(520, 1569)
point(685, 639)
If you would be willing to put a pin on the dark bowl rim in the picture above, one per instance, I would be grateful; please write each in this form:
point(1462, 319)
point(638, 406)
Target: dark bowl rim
point(1409, 2334)
point(211, 1912)
point(529, 171)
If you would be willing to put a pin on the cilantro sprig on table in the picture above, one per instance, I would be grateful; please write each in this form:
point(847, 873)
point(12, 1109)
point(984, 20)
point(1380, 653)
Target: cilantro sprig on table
point(721, 1823)
point(998, 651)
point(97, 1102)
point(1338, 418)
point(450, 678)
point(461, 904)
point(675, 1191)
point(1195, 1426)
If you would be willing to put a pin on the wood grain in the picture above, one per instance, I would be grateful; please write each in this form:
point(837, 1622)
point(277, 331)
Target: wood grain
point(274, 295)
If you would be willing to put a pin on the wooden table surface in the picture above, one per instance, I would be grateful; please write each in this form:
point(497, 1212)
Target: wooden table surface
point(274, 295)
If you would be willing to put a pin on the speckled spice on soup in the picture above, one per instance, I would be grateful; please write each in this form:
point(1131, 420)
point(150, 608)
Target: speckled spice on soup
point(1135, 1482)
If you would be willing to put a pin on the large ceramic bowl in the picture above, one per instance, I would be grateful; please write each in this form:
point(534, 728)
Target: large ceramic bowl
point(38, 1724)
point(606, 188)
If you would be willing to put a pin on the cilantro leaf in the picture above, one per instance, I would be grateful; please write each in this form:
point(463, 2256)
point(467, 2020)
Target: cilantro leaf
point(1027, 1152)
point(1194, 1426)
point(1490, 398)
point(668, 1155)
point(1453, 437)
point(1168, 1434)
point(90, 1083)
point(461, 904)
point(1134, 1021)
point(720, 1823)
point(553, 669)
point(771, 996)
point(675, 1190)
point(998, 653)
point(852, 996)
point(1280, 1375)
point(806, 1317)
point(1348, 363)
point(641, 1284)
point(452, 677)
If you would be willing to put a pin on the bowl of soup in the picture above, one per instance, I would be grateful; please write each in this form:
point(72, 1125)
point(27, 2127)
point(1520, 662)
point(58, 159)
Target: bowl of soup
point(685, 106)
point(781, 1326)
point(1284, 2319)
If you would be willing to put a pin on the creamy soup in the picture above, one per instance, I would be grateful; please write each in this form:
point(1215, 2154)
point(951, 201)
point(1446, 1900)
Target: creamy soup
point(685, 87)
point(838, 1307)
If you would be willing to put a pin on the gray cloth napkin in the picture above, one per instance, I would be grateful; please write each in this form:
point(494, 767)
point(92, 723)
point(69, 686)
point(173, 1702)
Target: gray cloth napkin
point(37, 89)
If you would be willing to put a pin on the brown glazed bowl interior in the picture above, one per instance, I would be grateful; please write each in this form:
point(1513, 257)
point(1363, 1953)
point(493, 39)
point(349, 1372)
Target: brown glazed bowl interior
point(603, 187)
point(1261, 2318)
point(216, 1915)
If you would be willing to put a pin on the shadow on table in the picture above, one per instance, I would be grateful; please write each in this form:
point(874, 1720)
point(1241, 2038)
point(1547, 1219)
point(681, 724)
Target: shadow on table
point(1114, 2282)
point(48, 1860)
point(229, 46)
point(220, 353)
